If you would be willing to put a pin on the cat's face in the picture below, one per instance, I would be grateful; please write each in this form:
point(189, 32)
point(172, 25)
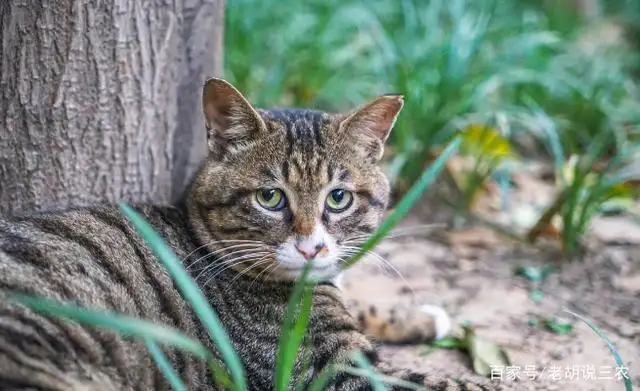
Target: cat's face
point(284, 187)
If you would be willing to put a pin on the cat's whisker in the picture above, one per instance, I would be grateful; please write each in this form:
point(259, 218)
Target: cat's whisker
point(236, 262)
point(398, 232)
point(259, 262)
point(218, 242)
point(223, 249)
point(214, 266)
point(259, 274)
point(250, 247)
point(266, 277)
point(381, 262)
point(355, 250)
point(217, 265)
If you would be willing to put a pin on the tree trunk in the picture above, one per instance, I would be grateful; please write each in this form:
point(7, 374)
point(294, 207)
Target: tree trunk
point(100, 99)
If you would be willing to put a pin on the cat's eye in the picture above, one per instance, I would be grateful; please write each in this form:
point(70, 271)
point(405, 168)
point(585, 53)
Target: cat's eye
point(271, 199)
point(339, 200)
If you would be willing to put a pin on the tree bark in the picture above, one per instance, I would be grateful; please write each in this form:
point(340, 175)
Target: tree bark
point(100, 99)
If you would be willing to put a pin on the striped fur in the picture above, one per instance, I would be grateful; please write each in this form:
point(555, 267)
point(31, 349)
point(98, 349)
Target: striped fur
point(238, 253)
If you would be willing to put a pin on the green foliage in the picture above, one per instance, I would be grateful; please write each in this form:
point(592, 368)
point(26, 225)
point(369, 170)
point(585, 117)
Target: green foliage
point(124, 325)
point(165, 366)
point(588, 191)
point(294, 328)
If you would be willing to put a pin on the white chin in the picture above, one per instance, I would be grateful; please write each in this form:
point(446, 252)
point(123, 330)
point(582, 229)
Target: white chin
point(317, 273)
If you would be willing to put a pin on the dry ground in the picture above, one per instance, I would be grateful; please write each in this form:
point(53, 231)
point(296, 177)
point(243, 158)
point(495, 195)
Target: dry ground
point(470, 272)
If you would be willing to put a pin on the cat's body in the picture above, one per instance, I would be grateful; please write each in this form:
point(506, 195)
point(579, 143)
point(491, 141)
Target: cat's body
point(279, 188)
point(94, 257)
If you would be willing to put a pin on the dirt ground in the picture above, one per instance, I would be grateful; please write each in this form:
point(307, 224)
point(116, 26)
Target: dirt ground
point(470, 272)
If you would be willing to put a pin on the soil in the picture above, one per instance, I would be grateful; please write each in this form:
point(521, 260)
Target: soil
point(470, 272)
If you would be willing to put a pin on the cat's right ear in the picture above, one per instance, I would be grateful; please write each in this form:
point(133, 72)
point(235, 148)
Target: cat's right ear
point(228, 116)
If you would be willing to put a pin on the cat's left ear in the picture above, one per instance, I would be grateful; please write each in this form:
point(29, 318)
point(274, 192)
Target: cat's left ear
point(369, 125)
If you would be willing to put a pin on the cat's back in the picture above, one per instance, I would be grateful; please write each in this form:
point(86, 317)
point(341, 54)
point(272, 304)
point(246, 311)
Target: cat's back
point(91, 257)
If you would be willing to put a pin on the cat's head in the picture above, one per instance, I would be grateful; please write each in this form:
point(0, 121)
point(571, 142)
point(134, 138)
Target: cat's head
point(283, 186)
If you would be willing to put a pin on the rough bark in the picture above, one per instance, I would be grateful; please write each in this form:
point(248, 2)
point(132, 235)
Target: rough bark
point(100, 100)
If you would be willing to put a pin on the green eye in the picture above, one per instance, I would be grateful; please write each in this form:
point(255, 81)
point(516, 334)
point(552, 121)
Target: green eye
point(339, 200)
point(271, 199)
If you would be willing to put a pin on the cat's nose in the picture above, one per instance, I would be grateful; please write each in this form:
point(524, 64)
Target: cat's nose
point(309, 250)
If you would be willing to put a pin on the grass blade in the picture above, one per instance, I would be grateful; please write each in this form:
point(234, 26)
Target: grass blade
point(616, 355)
point(416, 191)
point(165, 366)
point(191, 293)
point(325, 376)
point(295, 324)
point(124, 325)
point(364, 364)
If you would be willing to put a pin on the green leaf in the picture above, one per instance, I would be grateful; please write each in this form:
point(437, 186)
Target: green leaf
point(364, 364)
point(191, 292)
point(558, 326)
point(616, 355)
point(125, 325)
point(323, 379)
point(165, 366)
point(413, 195)
point(295, 324)
point(220, 375)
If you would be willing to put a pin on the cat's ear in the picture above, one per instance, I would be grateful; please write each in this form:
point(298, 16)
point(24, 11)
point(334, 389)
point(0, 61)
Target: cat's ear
point(369, 125)
point(228, 116)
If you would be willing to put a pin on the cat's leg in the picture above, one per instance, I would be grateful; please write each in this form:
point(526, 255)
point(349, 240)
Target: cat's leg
point(398, 322)
point(336, 335)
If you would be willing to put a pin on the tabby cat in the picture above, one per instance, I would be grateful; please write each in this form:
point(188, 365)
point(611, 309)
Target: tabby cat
point(278, 188)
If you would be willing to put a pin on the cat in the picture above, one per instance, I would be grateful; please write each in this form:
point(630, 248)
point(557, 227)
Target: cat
point(278, 188)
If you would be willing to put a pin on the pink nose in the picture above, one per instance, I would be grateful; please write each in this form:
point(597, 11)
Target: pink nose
point(309, 252)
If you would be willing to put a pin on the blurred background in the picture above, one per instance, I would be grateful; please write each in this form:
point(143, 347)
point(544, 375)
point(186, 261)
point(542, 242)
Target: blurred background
point(544, 97)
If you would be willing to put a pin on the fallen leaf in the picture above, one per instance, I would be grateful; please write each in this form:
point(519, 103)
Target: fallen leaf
point(484, 354)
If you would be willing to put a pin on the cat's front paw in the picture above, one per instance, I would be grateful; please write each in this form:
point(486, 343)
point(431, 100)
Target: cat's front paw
point(401, 323)
point(441, 320)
